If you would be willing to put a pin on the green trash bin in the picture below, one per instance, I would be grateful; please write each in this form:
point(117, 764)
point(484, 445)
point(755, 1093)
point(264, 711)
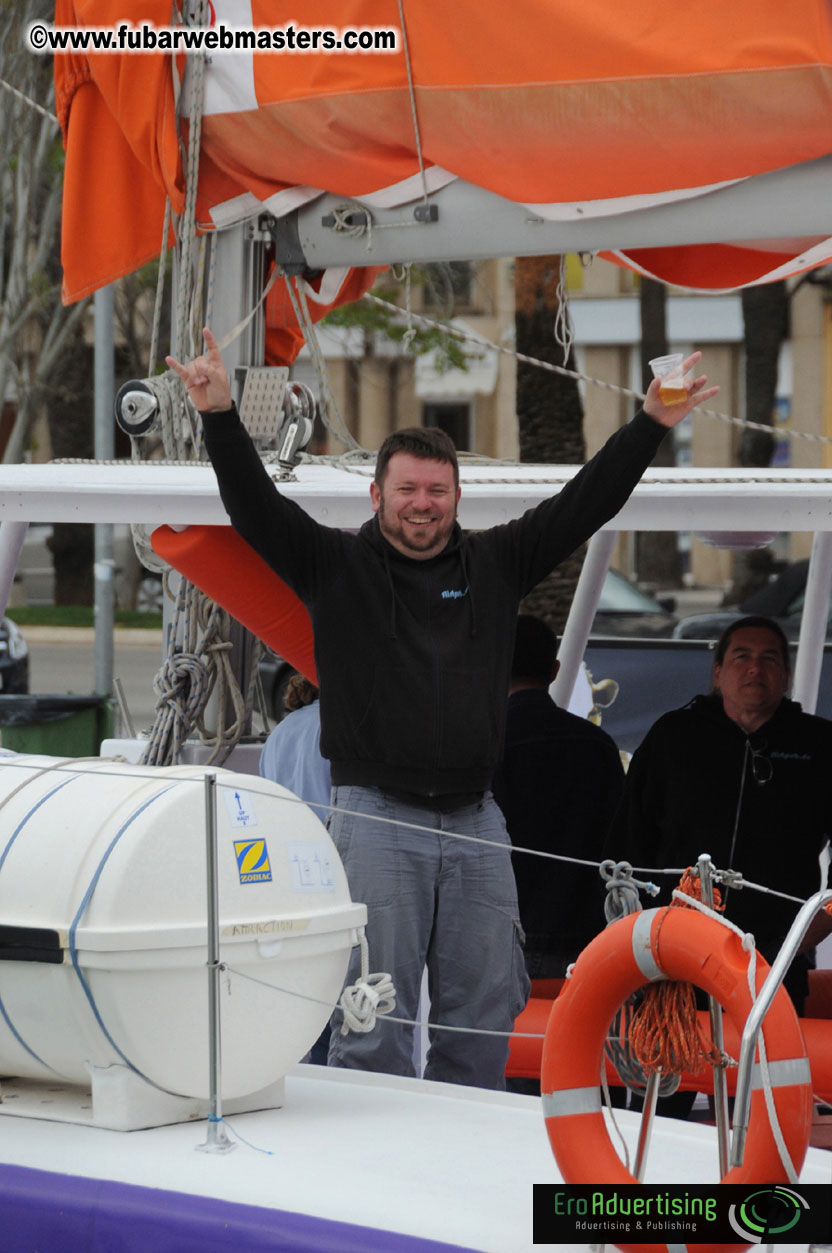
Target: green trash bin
point(55, 726)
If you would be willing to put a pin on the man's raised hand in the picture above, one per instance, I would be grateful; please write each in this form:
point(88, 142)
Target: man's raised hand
point(671, 415)
point(205, 377)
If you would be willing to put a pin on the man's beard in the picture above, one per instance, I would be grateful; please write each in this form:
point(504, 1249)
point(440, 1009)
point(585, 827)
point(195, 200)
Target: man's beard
point(395, 528)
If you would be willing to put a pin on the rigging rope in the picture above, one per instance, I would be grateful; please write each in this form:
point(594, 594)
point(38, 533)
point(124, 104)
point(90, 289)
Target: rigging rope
point(475, 338)
point(198, 663)
point(564, 330)
point(329, 408)
point(412, 92)
point(160, 288)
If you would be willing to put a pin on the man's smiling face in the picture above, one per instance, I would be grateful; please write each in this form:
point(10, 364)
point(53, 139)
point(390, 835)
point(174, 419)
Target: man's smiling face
point(416, 504)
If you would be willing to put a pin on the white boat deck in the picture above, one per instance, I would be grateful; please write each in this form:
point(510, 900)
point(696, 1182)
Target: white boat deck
point(448, 1164)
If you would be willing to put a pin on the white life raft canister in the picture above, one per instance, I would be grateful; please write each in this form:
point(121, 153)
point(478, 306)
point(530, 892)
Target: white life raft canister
point(103, 931)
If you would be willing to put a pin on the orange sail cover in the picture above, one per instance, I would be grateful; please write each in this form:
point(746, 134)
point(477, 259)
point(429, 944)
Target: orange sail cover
point(548, 103)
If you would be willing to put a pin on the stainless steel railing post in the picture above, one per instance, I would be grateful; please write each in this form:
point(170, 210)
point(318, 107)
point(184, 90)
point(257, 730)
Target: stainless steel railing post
point(217, 1140)
point(754, 1021)
point(706, 882)
point(648, 1117)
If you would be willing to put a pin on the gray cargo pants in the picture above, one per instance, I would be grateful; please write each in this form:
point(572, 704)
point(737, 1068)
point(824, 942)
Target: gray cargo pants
point(434, 901)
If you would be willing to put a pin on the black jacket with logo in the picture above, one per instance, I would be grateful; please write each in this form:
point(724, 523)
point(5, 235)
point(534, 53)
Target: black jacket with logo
point(691, 789)
point(413, 656)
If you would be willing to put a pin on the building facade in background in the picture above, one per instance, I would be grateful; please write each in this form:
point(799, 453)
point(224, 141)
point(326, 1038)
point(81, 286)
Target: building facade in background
point(380, 387)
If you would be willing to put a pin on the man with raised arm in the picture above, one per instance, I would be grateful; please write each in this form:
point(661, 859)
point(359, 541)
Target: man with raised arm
point(414, 628)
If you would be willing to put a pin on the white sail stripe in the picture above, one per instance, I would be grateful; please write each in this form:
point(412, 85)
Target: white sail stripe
point(568, 211)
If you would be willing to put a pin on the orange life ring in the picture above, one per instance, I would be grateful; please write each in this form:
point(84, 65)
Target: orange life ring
point(220, 563)
point(668, 943)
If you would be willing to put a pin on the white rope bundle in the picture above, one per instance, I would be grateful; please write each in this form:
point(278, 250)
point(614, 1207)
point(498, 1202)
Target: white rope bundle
point(368, 998)
point(622, 896)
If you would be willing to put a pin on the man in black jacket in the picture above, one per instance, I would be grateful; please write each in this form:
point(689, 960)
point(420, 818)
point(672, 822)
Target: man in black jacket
point(743, 775)
point(414, 625)
point(559, 785)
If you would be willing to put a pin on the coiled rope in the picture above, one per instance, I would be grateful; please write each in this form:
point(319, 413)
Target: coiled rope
point(622, 898)
point(664, 1032)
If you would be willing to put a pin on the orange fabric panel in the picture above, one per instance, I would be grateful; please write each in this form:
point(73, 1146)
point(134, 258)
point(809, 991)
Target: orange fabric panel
point(607, 102)
point(580, 100)
point(819, 1000)
point(585, 40)
point(525, 1050)
point(112, 213)
point(284, 338)
point(117, 115)
point(536, 143)
point(220, 563)
point(706, 266)
point(478, 43)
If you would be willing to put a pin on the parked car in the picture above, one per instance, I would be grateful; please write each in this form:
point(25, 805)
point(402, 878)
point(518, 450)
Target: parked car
point(14, 659)
point(623, 610)
point(782, 599)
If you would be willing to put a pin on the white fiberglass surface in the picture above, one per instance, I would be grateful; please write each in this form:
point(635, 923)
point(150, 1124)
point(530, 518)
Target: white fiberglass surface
point(455, 1165)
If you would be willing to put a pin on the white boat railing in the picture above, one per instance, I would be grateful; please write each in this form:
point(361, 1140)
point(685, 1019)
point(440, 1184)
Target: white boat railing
point(754, 1021)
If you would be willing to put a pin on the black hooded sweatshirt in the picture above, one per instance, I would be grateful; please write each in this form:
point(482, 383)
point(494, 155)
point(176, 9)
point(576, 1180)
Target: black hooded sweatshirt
point(691, 789)
point(413, 656)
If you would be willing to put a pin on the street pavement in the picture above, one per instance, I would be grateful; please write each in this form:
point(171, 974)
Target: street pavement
point(63, 660)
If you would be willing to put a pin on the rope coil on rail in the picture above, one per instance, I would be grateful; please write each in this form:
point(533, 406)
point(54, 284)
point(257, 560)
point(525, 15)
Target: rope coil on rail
point(371, 996)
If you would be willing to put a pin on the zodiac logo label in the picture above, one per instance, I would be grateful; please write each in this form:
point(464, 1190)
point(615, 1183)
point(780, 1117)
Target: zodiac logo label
point(253, 861)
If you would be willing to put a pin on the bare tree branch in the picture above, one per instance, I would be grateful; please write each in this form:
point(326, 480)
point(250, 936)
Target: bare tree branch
point(33, 324)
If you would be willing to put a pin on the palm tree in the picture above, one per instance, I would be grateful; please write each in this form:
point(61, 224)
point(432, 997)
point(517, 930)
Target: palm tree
point(549, 411)
point(765, 312)
point(658, 560)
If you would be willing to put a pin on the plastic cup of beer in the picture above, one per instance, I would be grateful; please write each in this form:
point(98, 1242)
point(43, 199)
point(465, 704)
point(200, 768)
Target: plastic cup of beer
point(669, 370)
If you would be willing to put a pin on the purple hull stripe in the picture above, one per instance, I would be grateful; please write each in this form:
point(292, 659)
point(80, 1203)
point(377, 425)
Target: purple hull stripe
point(67, 1214)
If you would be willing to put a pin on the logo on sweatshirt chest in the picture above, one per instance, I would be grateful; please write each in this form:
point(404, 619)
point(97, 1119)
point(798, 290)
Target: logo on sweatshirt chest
point(454, 593)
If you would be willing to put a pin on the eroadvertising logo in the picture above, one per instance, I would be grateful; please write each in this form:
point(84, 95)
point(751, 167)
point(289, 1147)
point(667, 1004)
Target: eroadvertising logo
point(766, 1213)
point(682, 1214)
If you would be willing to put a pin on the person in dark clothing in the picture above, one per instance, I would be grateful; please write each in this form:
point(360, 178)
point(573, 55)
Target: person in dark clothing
point(743, 775)
point(559, 784)
point(414, 627)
